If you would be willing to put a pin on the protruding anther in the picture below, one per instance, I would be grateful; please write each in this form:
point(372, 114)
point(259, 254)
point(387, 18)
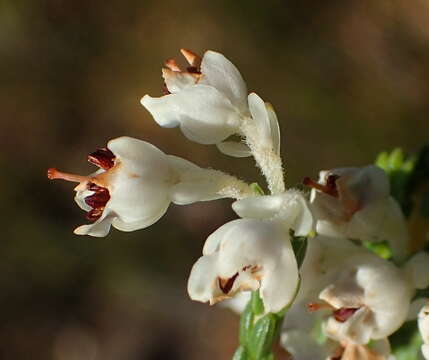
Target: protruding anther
point(342, 314)
point(193, 59)
point(56, 174)
point(172, 65)
point(330, 188)
point(103, 158)
point(227, 284)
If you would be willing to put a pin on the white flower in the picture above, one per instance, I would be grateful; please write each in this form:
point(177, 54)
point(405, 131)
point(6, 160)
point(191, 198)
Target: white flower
point(423, 321)
point(246, 254)
point(136, 183)
point(209, 102)
point(355, 203)
point(370, 299)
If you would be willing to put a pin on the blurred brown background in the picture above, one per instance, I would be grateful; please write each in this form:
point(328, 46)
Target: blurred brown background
point(347, 79)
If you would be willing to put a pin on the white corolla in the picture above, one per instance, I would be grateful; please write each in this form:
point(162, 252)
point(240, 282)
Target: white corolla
point(137, 182)
point(253, 253)
point(355, 203)
point(370, 300)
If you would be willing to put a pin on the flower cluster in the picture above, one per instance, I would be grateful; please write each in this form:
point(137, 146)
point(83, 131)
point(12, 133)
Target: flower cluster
point(357, 297)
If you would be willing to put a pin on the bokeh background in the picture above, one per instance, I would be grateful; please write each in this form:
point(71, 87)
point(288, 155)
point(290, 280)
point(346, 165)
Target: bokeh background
point(347, 79)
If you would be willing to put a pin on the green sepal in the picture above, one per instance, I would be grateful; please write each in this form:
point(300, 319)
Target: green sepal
point(268, 357)
point(256, 188)
point(240, 354)
point(400, 171)
point(299, 246)
point(382, 249)
point(257, 303)
point(406, 342)
point(246, 323)
point(262, 336)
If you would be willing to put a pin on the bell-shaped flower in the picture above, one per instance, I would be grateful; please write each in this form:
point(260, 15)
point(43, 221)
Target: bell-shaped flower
point(253, 253)
point(209, 101)
point(369, 299)
point(136, 182)
point(355, 203)
point(247, 254)
point(423, 322)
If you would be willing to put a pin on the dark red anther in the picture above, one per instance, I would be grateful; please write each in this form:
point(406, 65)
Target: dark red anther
point(94, 214)
point(98, 200)
point(94, 187)
point(165, 90)
point(342, 314)
point(103, 158)
point(226, 285)
point(330, 188)
point(193, 70)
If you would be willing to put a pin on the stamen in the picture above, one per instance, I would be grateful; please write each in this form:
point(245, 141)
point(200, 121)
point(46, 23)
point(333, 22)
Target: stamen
point(330, 188)
point(193, 59)
point(103, 158)
point(56, 174)
point(172, 65)
point(98, 200)
point(313, 306)
point(226, 285)
point(165, 90)
point(343, 314)
point(94, 214)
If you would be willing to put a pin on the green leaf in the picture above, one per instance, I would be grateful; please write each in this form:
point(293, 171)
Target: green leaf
point(263, 336)
point(257, 303)
point(246, 323)
point(240, 354)
point(256, 188)
point(406, 342)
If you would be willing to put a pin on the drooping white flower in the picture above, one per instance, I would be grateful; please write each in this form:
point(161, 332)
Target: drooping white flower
point(355, 203)
point(247, 254)
point(423, 322)
point(136, 183)
point(370, 300)
point(209, 102)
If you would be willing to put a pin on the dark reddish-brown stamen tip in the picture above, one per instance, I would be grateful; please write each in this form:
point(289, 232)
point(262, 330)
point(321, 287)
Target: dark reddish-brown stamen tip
point(103, 158)
point(226, 285)
point(342, 314)
point(97, 201)
point(330, 188)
